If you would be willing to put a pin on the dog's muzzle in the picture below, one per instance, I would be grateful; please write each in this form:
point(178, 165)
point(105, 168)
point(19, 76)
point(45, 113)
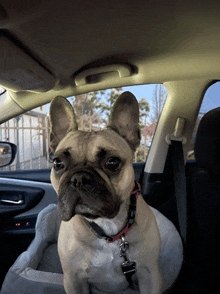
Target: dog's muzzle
point(86, 193)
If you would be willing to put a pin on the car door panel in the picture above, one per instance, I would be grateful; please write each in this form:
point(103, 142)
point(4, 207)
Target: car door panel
point(30, 187)
point(15, 199)
point(17, 231)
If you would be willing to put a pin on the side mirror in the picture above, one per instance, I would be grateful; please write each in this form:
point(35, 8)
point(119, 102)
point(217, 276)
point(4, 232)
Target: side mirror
point(7, 153)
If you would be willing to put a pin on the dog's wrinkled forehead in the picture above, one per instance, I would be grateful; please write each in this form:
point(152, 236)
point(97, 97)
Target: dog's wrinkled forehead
point(90, 146)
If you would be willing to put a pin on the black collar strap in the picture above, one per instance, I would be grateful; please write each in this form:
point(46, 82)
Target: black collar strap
point(98, 231)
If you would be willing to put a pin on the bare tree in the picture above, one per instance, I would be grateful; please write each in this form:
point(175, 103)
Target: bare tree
point(158, 99)
point(144, 110)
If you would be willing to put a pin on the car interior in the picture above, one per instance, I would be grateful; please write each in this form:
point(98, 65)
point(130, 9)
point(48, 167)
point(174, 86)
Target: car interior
point(67, 48)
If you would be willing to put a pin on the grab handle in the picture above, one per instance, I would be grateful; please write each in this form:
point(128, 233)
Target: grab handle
point(123, 71)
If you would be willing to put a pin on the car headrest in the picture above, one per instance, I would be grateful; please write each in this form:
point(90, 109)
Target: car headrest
point(207, 144)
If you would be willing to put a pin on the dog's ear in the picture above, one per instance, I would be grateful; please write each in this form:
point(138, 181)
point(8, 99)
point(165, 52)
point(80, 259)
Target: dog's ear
point(124, 119)
point(62, 120)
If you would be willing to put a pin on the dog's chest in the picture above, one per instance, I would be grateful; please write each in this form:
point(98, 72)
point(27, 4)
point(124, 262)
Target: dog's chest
point(105, 273)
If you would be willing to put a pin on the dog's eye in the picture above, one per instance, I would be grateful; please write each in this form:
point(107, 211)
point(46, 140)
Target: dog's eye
point(57, 164)
point(112, 164)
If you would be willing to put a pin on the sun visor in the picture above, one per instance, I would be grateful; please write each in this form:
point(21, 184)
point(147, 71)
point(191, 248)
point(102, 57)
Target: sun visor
point(19, 71)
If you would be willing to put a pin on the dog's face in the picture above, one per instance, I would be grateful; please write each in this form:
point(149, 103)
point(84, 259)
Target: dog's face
point(92, 172)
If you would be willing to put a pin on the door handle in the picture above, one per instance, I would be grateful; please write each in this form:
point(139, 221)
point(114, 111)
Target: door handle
point(15, 202)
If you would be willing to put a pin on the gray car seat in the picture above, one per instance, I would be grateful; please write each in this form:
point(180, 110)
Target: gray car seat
point(38, 270)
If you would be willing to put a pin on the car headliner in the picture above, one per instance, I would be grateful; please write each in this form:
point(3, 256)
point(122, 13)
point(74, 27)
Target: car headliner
point(46, 45)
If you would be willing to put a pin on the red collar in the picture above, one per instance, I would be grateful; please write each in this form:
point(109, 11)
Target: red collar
point(131, 216)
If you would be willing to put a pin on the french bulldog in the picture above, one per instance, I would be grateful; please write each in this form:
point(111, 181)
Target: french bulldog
point(94, 179)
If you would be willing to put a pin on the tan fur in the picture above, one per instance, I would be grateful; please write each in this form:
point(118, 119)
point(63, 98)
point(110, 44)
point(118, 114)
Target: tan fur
point(90, 263)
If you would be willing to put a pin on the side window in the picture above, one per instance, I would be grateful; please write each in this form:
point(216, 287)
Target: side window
point(210, 101)
point(30, 131)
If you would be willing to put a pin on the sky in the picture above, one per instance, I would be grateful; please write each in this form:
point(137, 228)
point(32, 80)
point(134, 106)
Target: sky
point(212, 98)
point(210, 101)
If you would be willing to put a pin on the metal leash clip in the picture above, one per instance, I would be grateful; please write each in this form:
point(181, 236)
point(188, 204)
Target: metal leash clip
point(128, 267)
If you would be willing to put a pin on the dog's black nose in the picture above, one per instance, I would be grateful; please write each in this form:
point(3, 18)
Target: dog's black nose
point(82, 180)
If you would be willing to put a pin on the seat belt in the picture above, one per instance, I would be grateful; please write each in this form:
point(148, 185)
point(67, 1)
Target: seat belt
point(180, 186)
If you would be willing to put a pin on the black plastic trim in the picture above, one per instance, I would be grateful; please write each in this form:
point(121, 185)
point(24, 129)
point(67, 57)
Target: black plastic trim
point(37, 175)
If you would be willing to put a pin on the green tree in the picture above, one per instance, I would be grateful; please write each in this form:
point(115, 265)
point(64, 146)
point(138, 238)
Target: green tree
point(144, 110)
point(94, 107)
point(110, 97)
point(84, 106)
